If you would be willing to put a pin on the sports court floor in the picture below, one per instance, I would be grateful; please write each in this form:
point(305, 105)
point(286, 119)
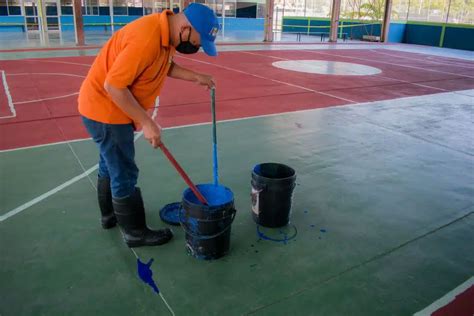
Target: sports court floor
point(381, 139)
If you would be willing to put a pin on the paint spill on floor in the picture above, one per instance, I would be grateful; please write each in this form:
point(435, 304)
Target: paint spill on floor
point(283, 235)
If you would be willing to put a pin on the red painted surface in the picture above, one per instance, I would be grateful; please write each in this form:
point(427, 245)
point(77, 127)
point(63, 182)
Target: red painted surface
point(247, 85)
point(462, 305)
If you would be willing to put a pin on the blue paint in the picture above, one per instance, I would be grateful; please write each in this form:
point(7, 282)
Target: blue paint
point(396, 32)
point(215, 164)
point(170, 213)
point(215, 195)
point(284, 240)
point(312, 225)
point(322, 230)
point(208, 227)
point(146, 274)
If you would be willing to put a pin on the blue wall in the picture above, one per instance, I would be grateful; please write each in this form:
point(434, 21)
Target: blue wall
point(460, 38)
point(420, 33)
point(13, 19)
point(397, 32)
point(423, 34)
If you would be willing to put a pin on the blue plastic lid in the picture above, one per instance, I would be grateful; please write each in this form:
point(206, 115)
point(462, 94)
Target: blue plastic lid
point(170, 213)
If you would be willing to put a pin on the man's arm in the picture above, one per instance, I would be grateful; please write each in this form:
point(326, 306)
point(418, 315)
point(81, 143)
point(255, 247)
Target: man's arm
point(125, 100)
point(178, 72)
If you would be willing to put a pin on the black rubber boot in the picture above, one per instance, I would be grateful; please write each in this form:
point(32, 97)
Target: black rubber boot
point(104, 195)
point(130, 213)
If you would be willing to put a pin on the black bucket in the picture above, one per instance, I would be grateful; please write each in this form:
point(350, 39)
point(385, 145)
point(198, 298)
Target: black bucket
point(207, 227)
point(272, 191)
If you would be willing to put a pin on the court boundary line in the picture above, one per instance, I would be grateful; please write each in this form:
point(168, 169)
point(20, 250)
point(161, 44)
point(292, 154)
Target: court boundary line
point(446, 299)
point(269, 79)
point(86, 173)
point(47, 99)
point(59, 61)
point(430, 61)
point(46, 73)
point(392, 64)
point(375, 75)
point(9, 97)
point(4, 217)
point(244, 119)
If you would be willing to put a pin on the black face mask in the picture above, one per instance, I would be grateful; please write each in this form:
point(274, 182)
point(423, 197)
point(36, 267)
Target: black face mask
point(186, 47)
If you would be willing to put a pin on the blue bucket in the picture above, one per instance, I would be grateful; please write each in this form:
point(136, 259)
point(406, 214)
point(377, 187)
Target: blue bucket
point(207, 227)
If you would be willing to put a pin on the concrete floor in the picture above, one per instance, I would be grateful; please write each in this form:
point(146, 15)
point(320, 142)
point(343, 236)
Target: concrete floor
point(390, 183)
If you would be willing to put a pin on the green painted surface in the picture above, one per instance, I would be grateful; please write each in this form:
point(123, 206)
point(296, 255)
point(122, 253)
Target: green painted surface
point(389, 181)
point(441, 37)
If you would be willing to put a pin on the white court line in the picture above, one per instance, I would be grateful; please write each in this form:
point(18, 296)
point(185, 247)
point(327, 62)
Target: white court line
point(445, 300)
point(389, 63)
point(426, 60)
point(59, 62)
point(265, 78)
point(376, 75)
point(43, 196)
point(44, 145)
point(460, 92)
point(79, 177)
point(46, 73)
point(46, 99)
point(9, 97)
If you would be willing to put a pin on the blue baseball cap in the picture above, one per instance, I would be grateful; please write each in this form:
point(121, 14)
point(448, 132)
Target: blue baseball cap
point(205, 22)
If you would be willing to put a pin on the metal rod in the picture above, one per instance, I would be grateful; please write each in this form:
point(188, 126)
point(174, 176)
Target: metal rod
point(214, 137)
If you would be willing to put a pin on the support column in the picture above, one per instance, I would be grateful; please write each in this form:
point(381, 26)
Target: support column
point(223, 18)
point(111, 12)
point(42, 23)
point(269, 4)
point(386, 21)
point(25, 25)
point(60, 13)
point(78, 23)
point(335, 12)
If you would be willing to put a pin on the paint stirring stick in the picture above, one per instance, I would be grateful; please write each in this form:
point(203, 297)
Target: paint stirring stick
point(183, 174)
point(214, 136)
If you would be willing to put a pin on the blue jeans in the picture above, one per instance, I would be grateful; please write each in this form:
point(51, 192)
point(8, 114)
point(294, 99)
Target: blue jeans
point(117, 155)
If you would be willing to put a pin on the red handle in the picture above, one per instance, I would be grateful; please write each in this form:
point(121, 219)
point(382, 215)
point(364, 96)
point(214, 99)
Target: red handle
point(183, 174)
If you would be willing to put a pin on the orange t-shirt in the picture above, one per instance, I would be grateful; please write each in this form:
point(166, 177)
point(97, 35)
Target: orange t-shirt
point(137, 57)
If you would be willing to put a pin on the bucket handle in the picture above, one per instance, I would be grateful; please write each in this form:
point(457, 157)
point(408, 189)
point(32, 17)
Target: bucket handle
point(204, 237)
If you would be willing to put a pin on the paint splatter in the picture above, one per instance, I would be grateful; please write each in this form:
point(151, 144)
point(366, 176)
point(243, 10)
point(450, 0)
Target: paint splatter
point(312, 225)
point(146, 274)
point(285, 238)
point(253, 265)
point(299, 125)
point(323, 230)
point(306, 212)
point(256, 251)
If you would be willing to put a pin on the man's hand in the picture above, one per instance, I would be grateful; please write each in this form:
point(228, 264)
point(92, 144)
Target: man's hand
point(178, 72)
point(152, 133)
point(205, 80)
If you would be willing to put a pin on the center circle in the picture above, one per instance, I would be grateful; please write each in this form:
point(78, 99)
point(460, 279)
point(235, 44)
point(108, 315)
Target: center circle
point(325, 67)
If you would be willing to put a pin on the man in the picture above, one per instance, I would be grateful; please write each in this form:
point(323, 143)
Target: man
point(122, 84)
